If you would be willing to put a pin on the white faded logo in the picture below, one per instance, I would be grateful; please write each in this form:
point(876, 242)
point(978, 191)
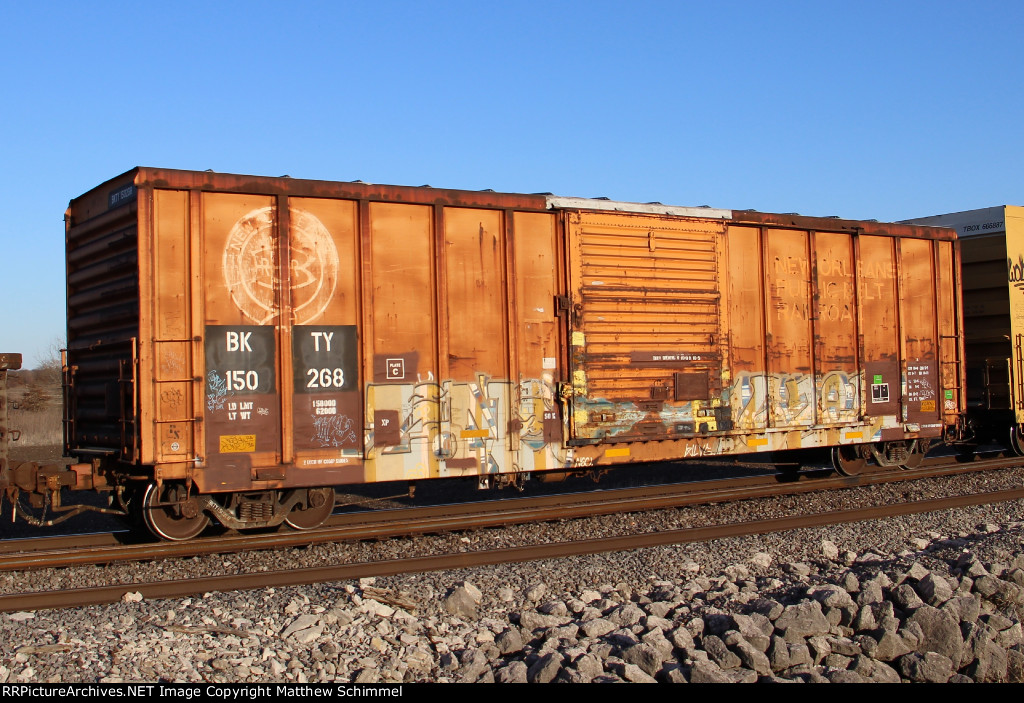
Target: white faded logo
point(250, 268)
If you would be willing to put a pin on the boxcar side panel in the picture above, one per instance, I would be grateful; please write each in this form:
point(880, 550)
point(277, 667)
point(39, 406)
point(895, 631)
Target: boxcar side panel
point(402, 399)
point(476, 390)
point(920, 332)
point(950, 319)
point(538, 342)
point(746, 337)
point(791, 392)
point(166, 347)
point(241, 338)
point(880, 332)
point(326, 414)
point(835, 329)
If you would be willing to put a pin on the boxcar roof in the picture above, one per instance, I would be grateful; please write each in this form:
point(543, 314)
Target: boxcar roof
point(285, 185)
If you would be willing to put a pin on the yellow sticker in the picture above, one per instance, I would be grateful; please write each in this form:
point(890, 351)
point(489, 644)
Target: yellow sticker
point(579, 382)
point(755, 442)
point(578, 340)
point(854, 435)
point(468, 434)
point(237, 443)
point(928, 406)
point(623, 451)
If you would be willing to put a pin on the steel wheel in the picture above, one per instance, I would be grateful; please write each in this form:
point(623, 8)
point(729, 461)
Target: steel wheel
point(171, 513)
point(848, 460)
point(918, 448)
point(320, 505)
point(1017, 440)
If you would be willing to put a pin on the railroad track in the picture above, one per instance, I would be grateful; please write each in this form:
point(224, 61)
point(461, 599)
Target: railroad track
point(437, 519)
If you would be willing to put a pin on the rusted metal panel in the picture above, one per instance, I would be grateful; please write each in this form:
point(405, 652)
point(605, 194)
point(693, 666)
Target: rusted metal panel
point(836, 353)
point(820, 330)
point(477, 389)
point(167, 415)
point(294, 187)
point(475, 263)
point(539, 340)
point(919, 328)
point(879, 325)
point(791, 393)
point(991, 250)
point(326, 413)
point(240, 333)
point(404, 334)
point(950, 323)
point(745, 322)
point(835, 224)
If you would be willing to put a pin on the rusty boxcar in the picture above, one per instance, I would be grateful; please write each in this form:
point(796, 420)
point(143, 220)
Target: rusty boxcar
point(239, 345)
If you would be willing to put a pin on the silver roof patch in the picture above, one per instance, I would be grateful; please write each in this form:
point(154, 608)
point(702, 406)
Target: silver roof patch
point(557, 202)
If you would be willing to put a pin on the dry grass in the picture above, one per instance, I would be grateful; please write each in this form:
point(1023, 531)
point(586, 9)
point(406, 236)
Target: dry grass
point(38, 428)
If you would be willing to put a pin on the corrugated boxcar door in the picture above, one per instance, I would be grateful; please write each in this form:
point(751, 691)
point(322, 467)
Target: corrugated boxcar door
point(645, 326)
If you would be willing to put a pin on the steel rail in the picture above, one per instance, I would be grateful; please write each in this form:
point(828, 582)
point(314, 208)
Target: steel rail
point(70, 541)
point(338, 572)
point(475, 515)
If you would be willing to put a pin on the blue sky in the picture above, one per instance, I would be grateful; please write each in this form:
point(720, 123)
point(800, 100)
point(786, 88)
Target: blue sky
point(881, 110)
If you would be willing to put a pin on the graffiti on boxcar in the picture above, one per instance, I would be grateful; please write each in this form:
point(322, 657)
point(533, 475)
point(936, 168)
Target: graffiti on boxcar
point(838, 397)
point(462, 428)
point(748, 400)
point(173, 361)
point(333, 431)
point(216, 391)
point(698, 450)
point(792, 395)
point(536, 402)
point(250, 267)
point(1015, 272)
point(172, 399)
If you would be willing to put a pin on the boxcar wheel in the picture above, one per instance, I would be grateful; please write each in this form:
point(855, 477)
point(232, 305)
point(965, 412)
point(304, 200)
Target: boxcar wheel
point(917, 449)
point(170, 513)
point(320, 505)
point(848, 460)
point(1017, 440)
